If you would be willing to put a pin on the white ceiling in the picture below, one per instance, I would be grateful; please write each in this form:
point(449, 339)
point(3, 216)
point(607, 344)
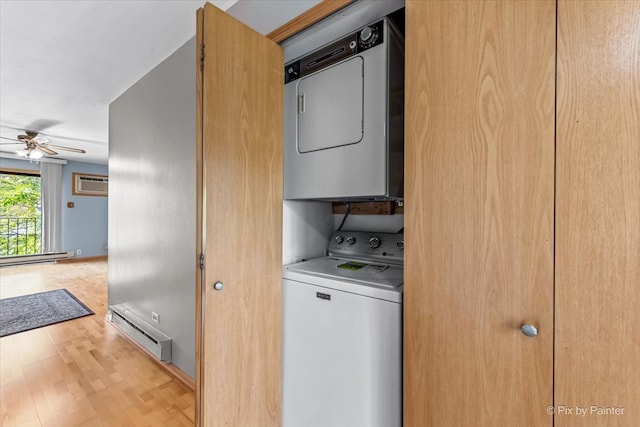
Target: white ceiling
point(63, 62)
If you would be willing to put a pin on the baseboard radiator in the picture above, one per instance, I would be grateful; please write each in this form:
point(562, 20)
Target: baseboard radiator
point(28, 259)
point(154, 341)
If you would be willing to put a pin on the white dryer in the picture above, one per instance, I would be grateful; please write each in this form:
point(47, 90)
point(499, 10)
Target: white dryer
point(344, 118)
point(342, 343)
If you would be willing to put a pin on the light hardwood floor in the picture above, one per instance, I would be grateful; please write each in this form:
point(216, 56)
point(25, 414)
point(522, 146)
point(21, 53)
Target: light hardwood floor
point(81, 372)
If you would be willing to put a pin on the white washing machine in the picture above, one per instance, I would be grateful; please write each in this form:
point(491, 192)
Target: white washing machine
point(342, 339)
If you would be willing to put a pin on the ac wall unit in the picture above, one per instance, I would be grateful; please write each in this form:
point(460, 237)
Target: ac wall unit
point(151, 339)
point(85, 184)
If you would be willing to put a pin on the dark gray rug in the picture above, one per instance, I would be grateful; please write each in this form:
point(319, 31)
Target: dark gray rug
point(26, 312)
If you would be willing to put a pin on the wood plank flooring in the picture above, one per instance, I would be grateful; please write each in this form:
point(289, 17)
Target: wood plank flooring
point(81, 372)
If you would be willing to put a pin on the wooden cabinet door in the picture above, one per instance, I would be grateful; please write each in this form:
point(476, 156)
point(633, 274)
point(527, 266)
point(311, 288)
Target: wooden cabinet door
point(598, 213)
point(479, 186)
point(240, 107)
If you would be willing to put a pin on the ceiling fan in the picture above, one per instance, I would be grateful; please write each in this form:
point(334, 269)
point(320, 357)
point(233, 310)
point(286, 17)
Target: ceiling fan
point(37, 146)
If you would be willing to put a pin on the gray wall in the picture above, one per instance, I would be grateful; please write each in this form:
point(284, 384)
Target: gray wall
point(152, 201)
point(152, 263)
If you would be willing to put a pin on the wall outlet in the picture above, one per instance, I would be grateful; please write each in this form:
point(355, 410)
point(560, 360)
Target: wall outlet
point(78, 251)
point(155, 317)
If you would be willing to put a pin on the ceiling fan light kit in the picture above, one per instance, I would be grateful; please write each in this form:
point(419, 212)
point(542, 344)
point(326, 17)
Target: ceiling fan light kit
point(32, 154)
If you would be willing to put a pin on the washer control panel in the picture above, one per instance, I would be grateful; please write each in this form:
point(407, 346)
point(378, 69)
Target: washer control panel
point(359, 244)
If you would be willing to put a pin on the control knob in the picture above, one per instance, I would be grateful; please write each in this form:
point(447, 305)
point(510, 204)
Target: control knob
point(368, 36)
point(400, 245)
point(339, 239)
point(374, 242)
point(351, 240)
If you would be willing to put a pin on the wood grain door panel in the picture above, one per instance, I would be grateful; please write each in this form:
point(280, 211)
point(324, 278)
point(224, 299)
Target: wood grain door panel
point(598, 213)
point(242, 133)
point(479, 176)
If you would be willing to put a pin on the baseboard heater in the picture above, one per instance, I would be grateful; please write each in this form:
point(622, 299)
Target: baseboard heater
point(141, 332)
point(27, 259)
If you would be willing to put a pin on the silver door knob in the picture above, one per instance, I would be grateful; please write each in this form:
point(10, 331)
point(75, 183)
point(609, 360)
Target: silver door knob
point(529, 330)
point(218, 286)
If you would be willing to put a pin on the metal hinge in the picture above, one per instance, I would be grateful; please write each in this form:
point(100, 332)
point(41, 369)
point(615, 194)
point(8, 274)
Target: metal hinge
point(201, 57)
point(201, 261)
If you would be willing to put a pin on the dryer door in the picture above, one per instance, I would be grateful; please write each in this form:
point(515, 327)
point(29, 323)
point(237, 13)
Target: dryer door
point(330, 107)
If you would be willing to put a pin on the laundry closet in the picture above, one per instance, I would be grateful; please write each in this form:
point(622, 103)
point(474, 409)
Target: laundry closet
point(342, 277)
point(520, 214)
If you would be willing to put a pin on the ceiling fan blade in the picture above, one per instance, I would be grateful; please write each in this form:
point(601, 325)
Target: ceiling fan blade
point(15, 141)
point(34, 140)
point(39, 139)
point(60, 147)
point(45, 150)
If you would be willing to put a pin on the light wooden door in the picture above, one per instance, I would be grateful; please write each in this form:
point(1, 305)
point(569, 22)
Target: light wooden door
point(479, 177)
point(240, 123)
point(598, 214)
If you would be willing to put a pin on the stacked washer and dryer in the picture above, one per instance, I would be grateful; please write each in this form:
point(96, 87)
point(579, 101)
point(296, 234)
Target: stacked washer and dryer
point(342, 320)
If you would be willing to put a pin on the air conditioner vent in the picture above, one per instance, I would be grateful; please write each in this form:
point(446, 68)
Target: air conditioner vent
point(85, 184)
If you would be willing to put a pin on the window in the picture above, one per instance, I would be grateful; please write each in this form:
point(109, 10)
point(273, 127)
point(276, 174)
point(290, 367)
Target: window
point(20, 212)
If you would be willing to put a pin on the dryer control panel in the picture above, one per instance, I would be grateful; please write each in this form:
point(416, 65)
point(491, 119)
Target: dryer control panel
point(362, 244)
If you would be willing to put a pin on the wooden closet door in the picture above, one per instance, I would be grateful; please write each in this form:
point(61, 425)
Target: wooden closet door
point(598, 213)
point(240, 133)
point(479, 165)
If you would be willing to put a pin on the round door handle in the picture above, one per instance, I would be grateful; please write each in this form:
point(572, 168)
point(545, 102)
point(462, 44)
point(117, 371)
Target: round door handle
point(218, 286)
point(529, 330)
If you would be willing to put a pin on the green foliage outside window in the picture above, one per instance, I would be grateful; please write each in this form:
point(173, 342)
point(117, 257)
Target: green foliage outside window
point(20, 215)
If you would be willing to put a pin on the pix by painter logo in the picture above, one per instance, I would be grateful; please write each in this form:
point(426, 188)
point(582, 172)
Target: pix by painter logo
point(583, 411)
